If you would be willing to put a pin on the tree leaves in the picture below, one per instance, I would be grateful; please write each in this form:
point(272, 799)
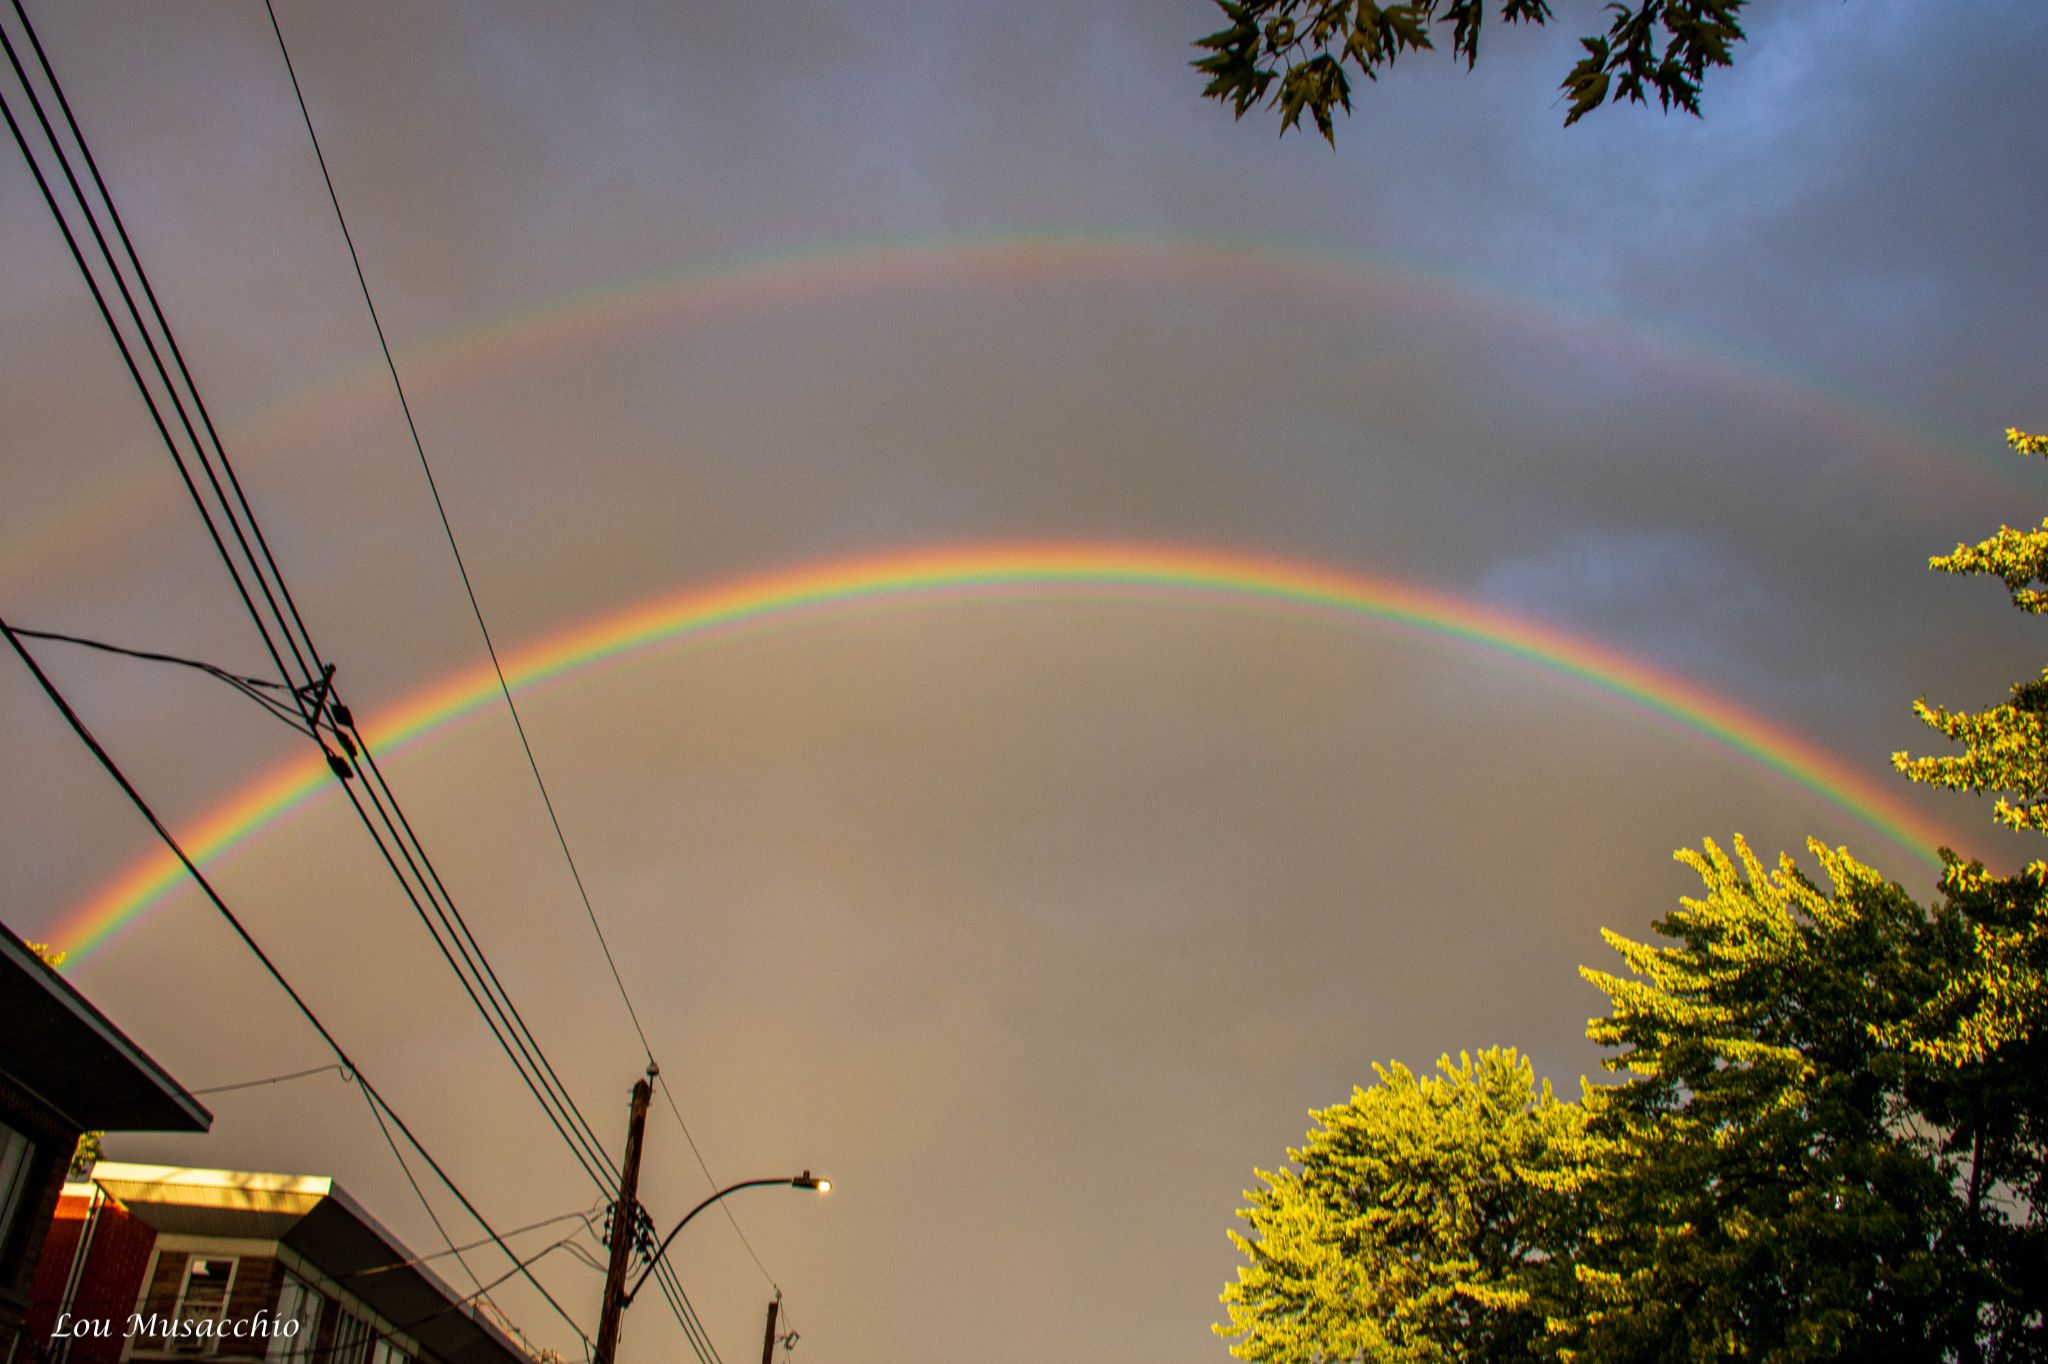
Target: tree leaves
point(1757, 1173)
point(1427, 1221)
point(2005, 748)
point(1829, 1139)
point(1660, 47)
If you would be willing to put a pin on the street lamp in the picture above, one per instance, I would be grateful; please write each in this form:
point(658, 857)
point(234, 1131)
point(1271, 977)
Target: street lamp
point(806, 1180)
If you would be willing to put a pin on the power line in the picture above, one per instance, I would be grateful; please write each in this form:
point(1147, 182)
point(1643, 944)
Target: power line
point(685, 1313)
point(262, 691)
point(447, 529)
point(135, 797)
point(268, 1079)
point(472, 954)
point(171, 340)
point(725, 1207)
point(107, 315)
point(555, 1102)
point(476, 610)
point(421, 1194)
point(317, 699)
point(473, 965)
point(582, 1215)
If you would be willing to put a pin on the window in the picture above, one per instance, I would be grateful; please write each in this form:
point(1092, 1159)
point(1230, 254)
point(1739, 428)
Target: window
point(297, 1301)
point(387, 1353)
point(17, 1153)
point(204, 1296)
point(351, 1339)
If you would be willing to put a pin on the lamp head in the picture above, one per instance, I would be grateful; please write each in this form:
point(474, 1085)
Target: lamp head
point(807, 1180)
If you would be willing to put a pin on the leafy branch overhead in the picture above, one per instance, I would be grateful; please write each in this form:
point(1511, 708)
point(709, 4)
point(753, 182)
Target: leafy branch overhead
point(1309, 48)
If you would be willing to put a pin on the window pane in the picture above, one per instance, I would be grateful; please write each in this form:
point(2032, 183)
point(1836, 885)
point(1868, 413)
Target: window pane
point(296, 1301)
point(351, 1339)
point(15, 1151)
point(206, 1288)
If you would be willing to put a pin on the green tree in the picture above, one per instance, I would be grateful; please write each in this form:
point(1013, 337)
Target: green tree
point(1429, 1218)
point(1766, 1190)
point(1986, 1021)
point(2005, 748)
point(1830, 1139)
point(1651, 47)
point(2001, 1001)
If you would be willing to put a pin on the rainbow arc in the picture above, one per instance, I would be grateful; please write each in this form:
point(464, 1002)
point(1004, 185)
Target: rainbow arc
point(933, 576)
point(749, 285)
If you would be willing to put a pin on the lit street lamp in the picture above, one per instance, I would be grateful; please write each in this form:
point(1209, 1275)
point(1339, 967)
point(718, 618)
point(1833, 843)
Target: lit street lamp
point(806, 1180)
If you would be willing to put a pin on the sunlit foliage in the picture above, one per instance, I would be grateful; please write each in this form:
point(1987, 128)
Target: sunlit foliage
point(1424, 1221)
point(1829, 1138)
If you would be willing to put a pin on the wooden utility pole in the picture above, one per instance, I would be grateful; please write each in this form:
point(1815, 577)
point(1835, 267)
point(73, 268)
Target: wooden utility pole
point(625, 1225)
point(768, 1344)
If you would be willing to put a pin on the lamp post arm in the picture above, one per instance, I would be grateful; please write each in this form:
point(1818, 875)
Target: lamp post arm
point(662, 1249)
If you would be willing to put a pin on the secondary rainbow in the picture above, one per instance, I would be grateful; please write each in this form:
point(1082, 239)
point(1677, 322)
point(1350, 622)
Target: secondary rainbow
point(933, 576)
point(749, 284)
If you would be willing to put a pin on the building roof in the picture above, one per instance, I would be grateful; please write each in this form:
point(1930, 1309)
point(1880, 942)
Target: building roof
point(315, 1217)
point(65, 1053)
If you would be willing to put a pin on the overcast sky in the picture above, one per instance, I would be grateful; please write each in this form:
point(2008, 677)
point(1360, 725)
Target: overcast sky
point(1038, 923)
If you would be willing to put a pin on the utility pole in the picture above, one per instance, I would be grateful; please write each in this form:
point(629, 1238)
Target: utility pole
point(768, 1345)
point(625, 1225)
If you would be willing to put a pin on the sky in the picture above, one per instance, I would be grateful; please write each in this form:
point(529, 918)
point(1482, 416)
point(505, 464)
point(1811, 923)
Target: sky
point(1039, 917)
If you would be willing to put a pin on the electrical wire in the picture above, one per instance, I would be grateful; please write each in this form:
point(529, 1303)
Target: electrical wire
point(585, 1216)
point(135, 797)
point(481, 1297)
point(587, 1258)
point(447, 529)
point(246, 685)
point(171, 340)
point(685, 1313)
point(257, 689)
point(316, 696)
point(198, 402)
point(420, 1193)
point(346, 1076)
point(560, 1110)
point(490, 646)
point(107, 315)
point(725, 1207)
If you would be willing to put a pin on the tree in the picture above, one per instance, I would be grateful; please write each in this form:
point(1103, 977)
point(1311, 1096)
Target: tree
point(1831, 1140)
point(2005, 747)
point(2001, 1002)
point(1660, 47)
point(1765, 1191)
point(1429, 1219)
point(1986, 1022)
point(1984, 1092)
point(1835, 1140)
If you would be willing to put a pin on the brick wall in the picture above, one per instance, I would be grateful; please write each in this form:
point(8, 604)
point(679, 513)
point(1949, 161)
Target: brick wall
point(114, 1266)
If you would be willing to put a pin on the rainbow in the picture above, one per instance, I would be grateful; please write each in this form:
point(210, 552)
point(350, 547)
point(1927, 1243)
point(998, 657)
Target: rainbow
point(984, 572)
point(749, 284)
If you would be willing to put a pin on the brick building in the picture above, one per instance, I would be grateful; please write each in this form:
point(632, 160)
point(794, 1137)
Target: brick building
point(151, 1263)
